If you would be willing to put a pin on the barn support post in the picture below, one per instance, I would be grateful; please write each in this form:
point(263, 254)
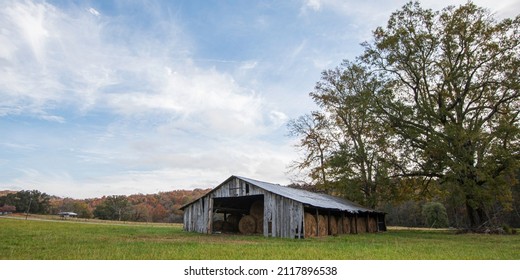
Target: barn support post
point(302, 228)
point(210, 215)
point(355, 221)
point(343, 223)
point(265, 230)
point(192, 219)
point(366, 222)
point(377, 222)
point(328, 223)
point(275, 218)
point(303, 223)
point(317, 223)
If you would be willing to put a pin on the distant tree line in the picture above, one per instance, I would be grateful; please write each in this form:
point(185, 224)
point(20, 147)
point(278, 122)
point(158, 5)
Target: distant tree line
point(160, 207)
point(24, 201)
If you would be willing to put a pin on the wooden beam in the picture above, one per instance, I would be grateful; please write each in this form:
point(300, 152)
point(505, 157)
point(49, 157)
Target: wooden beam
point(230, 210)
point(366, 222)
point(210, 215)
point(328, 222)
point(343, 223)
point(355, 222)
point(317, 223)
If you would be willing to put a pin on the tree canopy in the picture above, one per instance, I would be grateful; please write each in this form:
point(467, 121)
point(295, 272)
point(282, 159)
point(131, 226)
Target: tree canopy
point(433, 97)
point(33, 201)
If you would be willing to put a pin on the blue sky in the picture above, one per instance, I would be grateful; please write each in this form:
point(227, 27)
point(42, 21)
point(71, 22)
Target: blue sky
point(121, 97)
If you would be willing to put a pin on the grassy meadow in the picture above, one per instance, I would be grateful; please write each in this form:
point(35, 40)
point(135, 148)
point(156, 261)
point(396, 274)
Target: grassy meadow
point(62, 240)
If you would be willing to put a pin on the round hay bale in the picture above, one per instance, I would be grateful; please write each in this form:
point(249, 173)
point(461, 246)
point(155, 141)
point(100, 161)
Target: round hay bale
point(372, 224)
point(346, 225)
point(310, 225)
point(339, 224)
point(257, 209)
point(218, 225)
point(361, 225)
point(247, 225)
point(228, 227)
point(322, 225)
point(333, 225)
point(234, 219)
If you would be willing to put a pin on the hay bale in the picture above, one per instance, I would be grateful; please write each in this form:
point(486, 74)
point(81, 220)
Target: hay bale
point(218, 225)
point(234, 219)
point(346, 225)
point(247, 225)
point(361, 224)
point(310, 225)
point(228, 227)
point(333, 225)
point(257, 209)
point(372, 224)
point(322, 225)
point(339, 224)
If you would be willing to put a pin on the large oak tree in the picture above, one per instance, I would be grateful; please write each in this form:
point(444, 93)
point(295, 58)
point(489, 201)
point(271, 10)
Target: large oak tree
point(453, 103)
point(434, 96)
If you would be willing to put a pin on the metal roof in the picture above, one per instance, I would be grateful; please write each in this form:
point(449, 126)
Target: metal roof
point(306, 197)
point(310, 198)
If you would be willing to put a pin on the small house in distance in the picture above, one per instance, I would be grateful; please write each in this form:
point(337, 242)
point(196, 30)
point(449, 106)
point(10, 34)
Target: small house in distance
point(249, 206)
point(67, 214)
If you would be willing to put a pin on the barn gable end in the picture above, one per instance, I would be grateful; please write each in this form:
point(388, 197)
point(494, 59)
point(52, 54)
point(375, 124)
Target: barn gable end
point(273, 210)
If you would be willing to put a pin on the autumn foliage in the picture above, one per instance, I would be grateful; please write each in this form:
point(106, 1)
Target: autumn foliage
point(159, 207)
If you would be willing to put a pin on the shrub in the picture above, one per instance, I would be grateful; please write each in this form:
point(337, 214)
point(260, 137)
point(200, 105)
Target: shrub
point(434, 214)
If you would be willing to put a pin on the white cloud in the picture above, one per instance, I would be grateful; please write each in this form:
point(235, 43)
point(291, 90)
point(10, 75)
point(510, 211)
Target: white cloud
point(248, 65)
point(378, 11)
point(52, 118)
point(28, 19)
point(162, 169)
point(94, 12)
point(278, 118)
point(176, 124)
point(79, 66)
point(47, 51)
point(365, 16)
point(313, 4)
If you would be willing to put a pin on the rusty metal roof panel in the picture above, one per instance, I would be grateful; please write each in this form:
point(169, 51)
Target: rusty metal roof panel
point(310, 198)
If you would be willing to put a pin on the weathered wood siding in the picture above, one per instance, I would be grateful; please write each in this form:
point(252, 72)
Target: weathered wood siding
point(196, 216)
point(284, 215)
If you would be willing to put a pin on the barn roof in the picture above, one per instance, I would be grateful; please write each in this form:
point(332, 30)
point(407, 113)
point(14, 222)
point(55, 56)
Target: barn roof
point(310, 198)
point(306, 197)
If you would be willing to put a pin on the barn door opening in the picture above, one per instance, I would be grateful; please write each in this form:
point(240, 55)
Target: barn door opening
point(239, 214)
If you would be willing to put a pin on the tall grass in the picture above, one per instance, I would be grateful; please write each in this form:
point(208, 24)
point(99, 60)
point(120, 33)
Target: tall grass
point(51, 240)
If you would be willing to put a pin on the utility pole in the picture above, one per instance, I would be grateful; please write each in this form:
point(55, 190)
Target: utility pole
point(28, 208)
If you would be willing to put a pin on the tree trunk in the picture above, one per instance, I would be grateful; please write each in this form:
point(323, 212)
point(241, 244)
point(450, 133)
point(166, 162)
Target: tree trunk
point(471, 214)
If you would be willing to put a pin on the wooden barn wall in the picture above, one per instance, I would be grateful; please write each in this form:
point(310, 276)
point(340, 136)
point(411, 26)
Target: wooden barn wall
point(196, 216)
point(284, 215)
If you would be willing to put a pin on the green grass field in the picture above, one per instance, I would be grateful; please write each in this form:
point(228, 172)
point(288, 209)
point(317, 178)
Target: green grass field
point(62, 240)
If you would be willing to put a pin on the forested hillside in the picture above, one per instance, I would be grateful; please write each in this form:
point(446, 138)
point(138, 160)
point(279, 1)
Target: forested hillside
point(160, 207)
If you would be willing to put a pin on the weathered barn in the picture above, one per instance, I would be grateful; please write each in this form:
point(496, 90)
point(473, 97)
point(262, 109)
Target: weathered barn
point(249, 206)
